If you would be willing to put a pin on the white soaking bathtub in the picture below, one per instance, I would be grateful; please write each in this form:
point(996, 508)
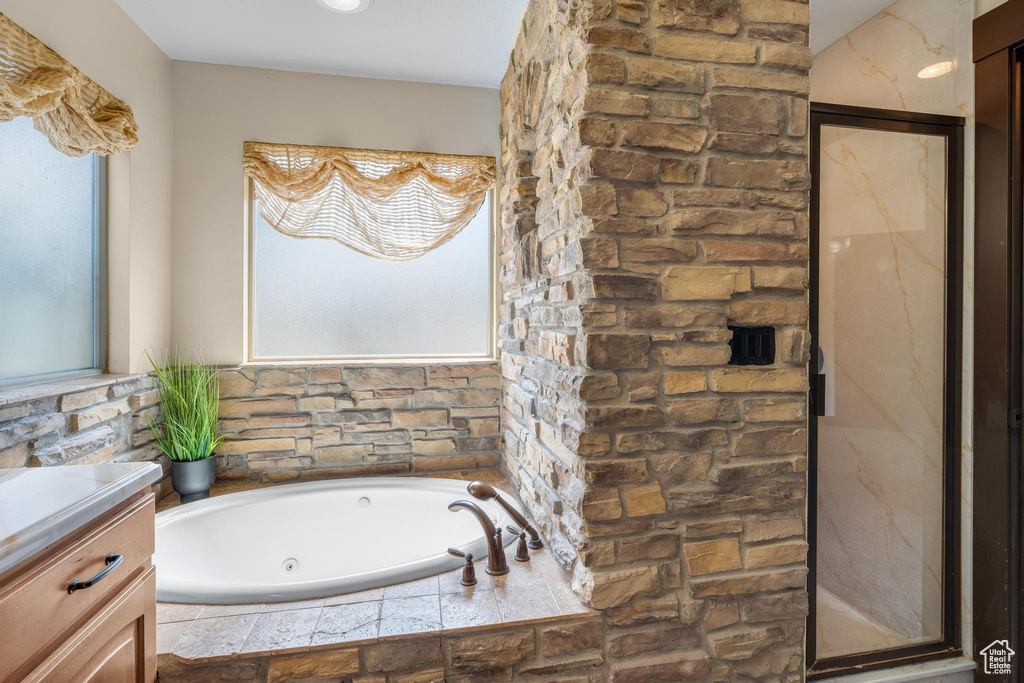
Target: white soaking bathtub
point(316, 539)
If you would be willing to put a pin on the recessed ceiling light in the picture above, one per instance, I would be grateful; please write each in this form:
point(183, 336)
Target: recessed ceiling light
point(347, 6)
point(935, 70)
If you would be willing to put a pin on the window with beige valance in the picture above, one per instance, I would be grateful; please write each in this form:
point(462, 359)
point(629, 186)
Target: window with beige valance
point(75, 113)
point(395, 206)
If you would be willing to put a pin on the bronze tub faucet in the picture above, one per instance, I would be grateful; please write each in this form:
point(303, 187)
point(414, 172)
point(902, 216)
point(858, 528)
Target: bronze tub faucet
point(482, 491)
point(496, 563)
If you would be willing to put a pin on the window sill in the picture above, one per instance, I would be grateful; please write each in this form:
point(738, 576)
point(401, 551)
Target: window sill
point(948, 670)
point(359, 362)
point(32, 392)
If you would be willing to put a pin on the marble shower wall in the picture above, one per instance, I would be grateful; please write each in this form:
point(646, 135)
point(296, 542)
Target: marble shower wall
point(882, 285)
point(982, 6)
point(878, 65)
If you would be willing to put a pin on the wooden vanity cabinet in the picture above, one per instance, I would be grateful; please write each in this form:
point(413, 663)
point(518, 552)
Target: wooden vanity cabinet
point(104, 633)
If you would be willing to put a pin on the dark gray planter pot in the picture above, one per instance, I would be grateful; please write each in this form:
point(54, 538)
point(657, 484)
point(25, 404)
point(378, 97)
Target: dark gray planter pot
point(192, 480)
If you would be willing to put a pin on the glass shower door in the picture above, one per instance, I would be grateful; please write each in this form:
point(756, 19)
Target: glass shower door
point(881, 435)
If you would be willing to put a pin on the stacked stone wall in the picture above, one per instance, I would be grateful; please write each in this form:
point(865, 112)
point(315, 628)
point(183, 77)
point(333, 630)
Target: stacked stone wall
point(84, 421)
point(655, 186)
point(291, 423)
point(281, 423)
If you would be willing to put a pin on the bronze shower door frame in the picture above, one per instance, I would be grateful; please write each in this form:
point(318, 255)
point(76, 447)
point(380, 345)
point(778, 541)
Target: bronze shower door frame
point(952, 128)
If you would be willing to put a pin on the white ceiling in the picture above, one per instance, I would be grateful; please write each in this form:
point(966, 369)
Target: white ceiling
point(461, 42)
point(833, 19)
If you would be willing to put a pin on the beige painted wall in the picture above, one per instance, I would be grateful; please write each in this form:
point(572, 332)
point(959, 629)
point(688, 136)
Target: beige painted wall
point(217, 108)
point(100, 39)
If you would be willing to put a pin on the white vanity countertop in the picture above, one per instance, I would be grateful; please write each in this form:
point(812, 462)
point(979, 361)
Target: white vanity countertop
point(41, 505)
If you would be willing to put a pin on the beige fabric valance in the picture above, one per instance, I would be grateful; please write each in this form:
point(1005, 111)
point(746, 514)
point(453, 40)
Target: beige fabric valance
point(390, 205)
point(72, 110)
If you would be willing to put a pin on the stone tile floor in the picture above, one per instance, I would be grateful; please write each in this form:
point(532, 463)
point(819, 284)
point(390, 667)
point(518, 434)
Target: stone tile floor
point(531, 592)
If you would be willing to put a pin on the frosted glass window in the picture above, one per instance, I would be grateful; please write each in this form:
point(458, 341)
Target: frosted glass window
point(318, 299)
point(50, 258)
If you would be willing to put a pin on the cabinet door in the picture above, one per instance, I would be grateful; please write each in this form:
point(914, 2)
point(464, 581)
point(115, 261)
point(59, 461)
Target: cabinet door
point(116, 661)
point(118, 645)
point(36, 611)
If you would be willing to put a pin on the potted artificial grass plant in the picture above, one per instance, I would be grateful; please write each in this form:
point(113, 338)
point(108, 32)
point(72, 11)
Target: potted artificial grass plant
point(189, 399)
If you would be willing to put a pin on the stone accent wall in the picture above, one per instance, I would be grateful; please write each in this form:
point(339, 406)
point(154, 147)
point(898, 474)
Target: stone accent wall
point(281, 423)
point(569, 650)
point(321, 422)
point(87, 421)
point(544, 200)
point(655, 190)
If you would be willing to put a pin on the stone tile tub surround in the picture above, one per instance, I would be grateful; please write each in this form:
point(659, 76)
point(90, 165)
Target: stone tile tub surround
point(654, 191)
point(527, 622)
point(291, 423)
point(531, 592)
point(85, 421)
point(569, 649)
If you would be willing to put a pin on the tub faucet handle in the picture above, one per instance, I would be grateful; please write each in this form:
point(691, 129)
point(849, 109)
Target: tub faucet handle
point(468, 570)
point(522, 553)
point(483, 491)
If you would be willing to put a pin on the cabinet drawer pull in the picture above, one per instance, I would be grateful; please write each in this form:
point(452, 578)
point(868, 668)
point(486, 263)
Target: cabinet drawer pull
point(113, 562)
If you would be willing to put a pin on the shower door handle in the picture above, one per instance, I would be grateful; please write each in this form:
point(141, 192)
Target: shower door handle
point(818, 394)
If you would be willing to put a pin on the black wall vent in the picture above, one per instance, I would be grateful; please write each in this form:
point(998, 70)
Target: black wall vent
point(752, 345)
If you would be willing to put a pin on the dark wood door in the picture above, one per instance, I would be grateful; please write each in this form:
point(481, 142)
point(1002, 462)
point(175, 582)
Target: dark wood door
point(999, 328)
